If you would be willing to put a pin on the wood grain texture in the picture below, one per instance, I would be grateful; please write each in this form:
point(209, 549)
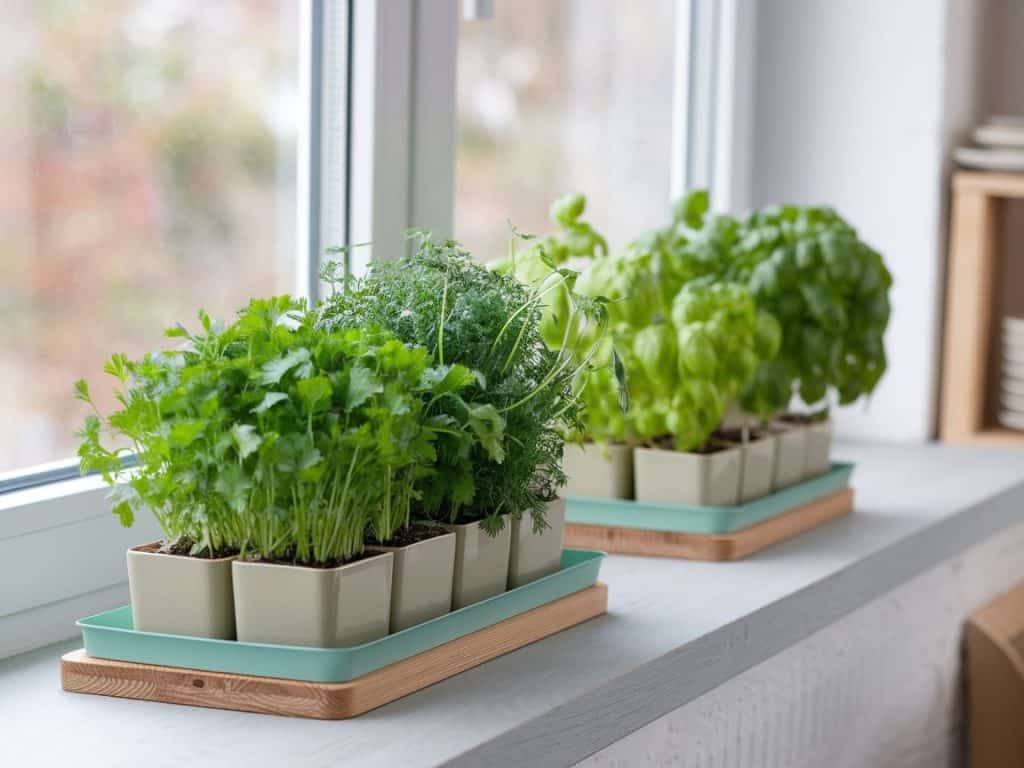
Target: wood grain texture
point(730, 546)
point(995, 184)
point(970, 307)
point(327, 701)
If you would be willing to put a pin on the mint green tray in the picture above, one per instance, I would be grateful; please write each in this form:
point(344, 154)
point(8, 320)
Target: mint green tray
point(110, 635)
point(681, 518)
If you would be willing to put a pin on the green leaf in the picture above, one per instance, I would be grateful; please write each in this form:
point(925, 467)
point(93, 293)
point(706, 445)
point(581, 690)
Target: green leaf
point(124, 512)
point(620, 378)
point(568, 208)
point(246, 438)
point(272, 372)
point(124, 498)
point(177, 331)
point(183, 433)
point(315, 393)
point(82, 391)
point(449, 378)
point(118, 366)
point(696, 351)
point(270, 400)
point(489, 427)
point(362, 385)
point(234, 485)
point(690, 208)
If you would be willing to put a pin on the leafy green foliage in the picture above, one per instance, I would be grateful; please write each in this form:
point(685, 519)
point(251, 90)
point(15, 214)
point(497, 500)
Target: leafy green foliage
point(498, 445)
point(827, 289)
point(274, 437)
point(687, 346)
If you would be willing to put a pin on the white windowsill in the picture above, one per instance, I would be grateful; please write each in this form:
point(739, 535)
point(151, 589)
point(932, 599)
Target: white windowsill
point(61, 557)
point(675, 630)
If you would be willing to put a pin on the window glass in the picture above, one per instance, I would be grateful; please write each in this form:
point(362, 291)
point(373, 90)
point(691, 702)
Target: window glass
point(556, 96)
point(148, 169)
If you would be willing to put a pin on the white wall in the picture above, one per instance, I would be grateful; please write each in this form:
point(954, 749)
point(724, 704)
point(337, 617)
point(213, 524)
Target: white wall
point(849, 110)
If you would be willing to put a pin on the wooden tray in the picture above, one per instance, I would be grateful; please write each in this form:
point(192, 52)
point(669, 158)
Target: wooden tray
point(328, 701)
point(724, 546)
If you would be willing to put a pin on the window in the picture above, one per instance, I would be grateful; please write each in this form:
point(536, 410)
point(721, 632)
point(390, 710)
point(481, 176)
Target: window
point(165, 155)
point(148, 170)
point(558, 96)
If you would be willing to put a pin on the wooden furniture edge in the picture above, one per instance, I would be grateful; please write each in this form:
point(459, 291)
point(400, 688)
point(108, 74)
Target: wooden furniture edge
point(969, 313)
point(328, 701)
point(715, 547)
point(989, 182)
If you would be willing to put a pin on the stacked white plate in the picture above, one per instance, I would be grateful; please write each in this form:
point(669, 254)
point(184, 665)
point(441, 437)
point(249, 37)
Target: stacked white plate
point(1011, 413)
point(1000, 146)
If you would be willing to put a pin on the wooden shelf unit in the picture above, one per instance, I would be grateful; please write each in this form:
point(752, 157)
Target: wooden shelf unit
point(972, 322)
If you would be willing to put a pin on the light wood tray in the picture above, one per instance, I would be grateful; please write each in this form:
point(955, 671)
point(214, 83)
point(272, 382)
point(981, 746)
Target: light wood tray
point(328, 701)
point(726, 546)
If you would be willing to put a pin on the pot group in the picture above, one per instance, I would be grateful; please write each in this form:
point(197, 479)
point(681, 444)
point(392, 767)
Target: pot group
point(782, 454)
point(385, 591)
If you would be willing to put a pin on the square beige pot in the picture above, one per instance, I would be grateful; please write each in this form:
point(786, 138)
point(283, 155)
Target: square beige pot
point(180, 595)
point(675, 477)
point(535, 555)
point(790, 454)
point(481, 563)
point(313, 607)
point(598, 471)
point(421, 588)
point(819, 447)
point(758, 468)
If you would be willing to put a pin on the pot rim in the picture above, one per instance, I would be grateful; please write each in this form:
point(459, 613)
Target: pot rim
point(733, 447)
point(387, 548)
point(139, 549)
point(602, 443)
point(365, 561)
point(451, 527)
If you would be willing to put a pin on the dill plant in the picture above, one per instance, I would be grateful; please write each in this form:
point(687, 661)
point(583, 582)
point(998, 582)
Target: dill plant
point(522, 394)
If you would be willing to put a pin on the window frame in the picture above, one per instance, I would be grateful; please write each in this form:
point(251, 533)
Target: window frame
point(61, 550)
point(376, 155)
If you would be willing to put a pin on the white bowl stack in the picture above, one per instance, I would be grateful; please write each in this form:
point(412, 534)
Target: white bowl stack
point(1011, 413)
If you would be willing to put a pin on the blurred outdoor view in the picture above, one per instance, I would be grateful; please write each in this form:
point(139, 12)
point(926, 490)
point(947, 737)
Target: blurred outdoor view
point(147, 170)
point(557, 96)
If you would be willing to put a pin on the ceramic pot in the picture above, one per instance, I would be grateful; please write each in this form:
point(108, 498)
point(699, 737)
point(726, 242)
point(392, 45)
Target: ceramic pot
point(481, 562)
point(598, 471)
point(758, 466)
point(790, 454)
point(181, 595)
point(818, 449)
point(535, 555)
point(675, 477)
point(314, 607)
point(421, 587)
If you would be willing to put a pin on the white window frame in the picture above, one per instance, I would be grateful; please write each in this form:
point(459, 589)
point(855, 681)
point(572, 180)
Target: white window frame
point(376, 156)
point(61, 549)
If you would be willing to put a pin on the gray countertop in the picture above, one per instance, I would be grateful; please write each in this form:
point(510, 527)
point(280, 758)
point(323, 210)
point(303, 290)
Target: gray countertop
point(674, 630)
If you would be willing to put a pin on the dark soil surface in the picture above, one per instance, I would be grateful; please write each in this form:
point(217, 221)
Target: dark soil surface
point(736, 435)
point(413, 534)
point(182, 549)
point(336, 563)
point(802, 418)
point(668, 443)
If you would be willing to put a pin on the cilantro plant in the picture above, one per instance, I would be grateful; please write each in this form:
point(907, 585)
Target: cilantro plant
point(273, 437)
point(519, 393)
